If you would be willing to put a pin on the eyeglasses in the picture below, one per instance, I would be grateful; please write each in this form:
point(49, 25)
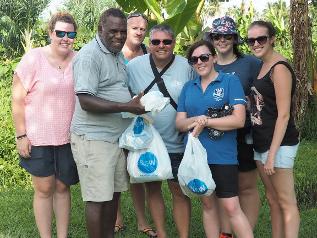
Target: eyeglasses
point(261, 40)
point(219, 36)
point(137, 14)
point(70, 34)
point(165, 41)
point(203, 58)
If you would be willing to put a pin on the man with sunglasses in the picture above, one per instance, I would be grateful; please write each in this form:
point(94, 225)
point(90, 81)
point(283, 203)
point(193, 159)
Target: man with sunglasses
point(171, 73)
point(100, 85)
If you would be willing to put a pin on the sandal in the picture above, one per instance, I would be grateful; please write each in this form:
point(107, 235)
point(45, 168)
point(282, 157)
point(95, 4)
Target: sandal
point(119, 228)
point(149, 232)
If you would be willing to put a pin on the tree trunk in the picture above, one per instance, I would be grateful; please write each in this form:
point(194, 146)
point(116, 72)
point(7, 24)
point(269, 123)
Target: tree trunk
point(300, 41)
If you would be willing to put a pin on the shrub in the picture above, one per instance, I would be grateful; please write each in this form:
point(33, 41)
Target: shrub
point(11, 174)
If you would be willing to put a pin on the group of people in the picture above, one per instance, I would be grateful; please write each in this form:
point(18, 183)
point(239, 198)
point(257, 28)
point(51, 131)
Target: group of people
point(67, 114)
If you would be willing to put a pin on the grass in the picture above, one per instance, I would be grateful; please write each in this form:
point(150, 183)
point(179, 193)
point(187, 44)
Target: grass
point(17, 220)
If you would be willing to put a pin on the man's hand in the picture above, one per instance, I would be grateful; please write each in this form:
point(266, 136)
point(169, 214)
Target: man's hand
point(135, 106)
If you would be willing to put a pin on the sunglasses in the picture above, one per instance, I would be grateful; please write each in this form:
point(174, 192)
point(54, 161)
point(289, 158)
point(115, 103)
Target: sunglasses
point(136, 14)
point(70, 34)
point(219, 36)
point(261, 40)
point(203, 58)
point(165, 42)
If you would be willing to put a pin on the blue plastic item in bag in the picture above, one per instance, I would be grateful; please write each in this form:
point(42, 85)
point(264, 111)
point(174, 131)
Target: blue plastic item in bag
point(137, 136)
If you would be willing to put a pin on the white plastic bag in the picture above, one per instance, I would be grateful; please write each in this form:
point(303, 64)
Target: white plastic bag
point(154, 101)
point(152, 164)
point(194, 175)
point(137, 136)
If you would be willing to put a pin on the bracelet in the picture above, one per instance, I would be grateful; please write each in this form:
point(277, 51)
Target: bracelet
point(21, 137)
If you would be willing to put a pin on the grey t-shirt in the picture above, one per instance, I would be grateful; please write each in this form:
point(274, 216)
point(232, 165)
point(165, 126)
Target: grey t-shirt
point(140, 75)
point(100, 73)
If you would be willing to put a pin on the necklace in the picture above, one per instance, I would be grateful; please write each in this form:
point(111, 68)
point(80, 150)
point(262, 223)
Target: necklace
point(59, 67)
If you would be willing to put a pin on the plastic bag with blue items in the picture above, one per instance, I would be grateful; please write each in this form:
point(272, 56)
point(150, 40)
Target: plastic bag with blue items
point(194, 175)
point(137, 136)
point(152, 164)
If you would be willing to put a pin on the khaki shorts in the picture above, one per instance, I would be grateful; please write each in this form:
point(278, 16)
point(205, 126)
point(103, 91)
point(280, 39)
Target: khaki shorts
point(101, 167)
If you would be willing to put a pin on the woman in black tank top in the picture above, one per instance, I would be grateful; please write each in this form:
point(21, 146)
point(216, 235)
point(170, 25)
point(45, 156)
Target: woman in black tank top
point(275, 136)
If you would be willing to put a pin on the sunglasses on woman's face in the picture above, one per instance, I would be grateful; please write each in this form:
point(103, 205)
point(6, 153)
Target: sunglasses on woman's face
point(70, 34)
point(219, 36)
point(165, 41)
point(203, 58)
point(261, 40)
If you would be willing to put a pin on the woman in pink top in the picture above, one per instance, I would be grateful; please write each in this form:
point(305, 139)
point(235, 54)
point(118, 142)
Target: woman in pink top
point(42, 104)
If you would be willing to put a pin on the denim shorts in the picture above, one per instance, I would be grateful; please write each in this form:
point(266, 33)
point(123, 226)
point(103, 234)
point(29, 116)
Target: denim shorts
point(284, 158)
point(52, 160)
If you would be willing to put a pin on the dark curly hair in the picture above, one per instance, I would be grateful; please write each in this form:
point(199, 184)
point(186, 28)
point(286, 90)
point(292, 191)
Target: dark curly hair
point(115, 12)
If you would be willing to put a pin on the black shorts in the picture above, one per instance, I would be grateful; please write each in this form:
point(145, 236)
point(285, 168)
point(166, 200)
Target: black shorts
point(52, 160)
point(245, 152)
point(176, 159)
point(226, 180)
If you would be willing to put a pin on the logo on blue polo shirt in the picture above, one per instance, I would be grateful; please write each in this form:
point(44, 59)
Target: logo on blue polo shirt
point(218, 94)
point(147, 163)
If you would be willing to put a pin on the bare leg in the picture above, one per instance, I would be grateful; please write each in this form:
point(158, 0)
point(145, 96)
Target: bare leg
point(157, 207)
point(43, 203)
point(275, 210)
point(210, 216)
point(223, 218)
point(119, 220)
point(283, 182)
point(138, 197)
point(101, 217)
point(62, 205)
point(238, 220)
point(181, 209)
point(249, 196)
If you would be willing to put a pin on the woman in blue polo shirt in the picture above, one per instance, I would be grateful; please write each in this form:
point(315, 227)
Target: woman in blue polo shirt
point(213, 90)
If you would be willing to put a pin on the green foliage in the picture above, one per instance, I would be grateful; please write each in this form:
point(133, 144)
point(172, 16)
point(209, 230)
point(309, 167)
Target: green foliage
point(175, 13)
point(278, 14)
point(313, 20)
point(16, 17)
point(11, 174)
point(305, 174)
point(86, 14)
point(181, 15)
point(243, 17)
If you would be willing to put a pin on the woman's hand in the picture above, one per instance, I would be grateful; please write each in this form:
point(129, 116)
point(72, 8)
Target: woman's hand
point(202, 120)
point(24, 147)
point(197, 128)
point(269, 165)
